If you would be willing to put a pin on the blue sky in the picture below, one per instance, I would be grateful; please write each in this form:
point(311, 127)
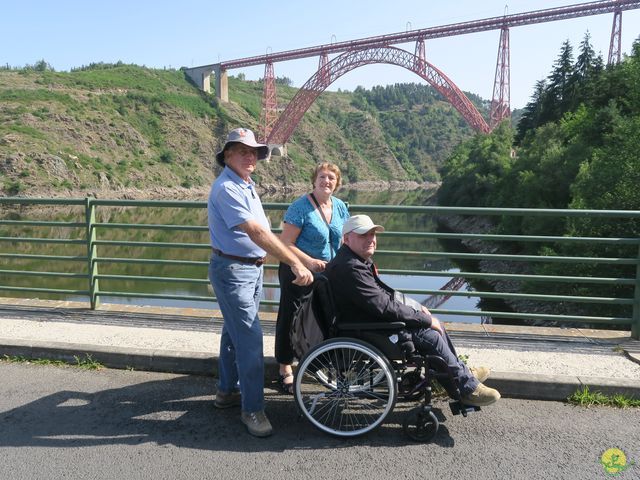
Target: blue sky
point(71, 33)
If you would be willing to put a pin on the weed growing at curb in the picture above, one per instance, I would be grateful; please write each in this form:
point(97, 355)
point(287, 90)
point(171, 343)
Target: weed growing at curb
point(15, 359)
point(585, 398)
point(87, 363)
point(34, 361)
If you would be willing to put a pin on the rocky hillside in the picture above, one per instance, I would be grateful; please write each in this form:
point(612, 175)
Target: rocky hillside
point(124, 130)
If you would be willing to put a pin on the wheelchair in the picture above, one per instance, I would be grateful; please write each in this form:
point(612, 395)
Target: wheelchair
point(347, 384)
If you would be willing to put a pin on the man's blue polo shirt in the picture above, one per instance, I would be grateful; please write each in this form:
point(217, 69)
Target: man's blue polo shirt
point(233, 201)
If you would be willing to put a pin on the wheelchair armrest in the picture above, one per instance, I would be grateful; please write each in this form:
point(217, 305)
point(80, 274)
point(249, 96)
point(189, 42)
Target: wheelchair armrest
point(359, 326)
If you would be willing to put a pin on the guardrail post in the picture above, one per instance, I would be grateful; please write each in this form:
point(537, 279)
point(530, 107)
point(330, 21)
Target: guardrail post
point(635, 326)
point(92, 253)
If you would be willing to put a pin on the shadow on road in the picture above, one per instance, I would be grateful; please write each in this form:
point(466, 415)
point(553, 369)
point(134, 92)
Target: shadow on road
point(178, 411)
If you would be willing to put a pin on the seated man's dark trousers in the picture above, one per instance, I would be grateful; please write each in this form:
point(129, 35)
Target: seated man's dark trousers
point(430, 342)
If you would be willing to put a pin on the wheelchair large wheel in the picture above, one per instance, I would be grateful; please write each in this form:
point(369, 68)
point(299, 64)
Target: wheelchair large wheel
point(327, 378)
point(345, 387)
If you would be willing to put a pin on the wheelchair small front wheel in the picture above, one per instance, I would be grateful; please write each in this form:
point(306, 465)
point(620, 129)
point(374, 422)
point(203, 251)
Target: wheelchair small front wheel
point(421, 425)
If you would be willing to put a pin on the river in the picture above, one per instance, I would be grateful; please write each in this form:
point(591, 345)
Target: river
point(395, 222)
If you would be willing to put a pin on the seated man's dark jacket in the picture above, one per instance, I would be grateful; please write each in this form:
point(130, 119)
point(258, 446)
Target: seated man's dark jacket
point(360, 295)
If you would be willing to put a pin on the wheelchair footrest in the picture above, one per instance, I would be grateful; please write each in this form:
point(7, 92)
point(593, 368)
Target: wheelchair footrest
point(458, 408)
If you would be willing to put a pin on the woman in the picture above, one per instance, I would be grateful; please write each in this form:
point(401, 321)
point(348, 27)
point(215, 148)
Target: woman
point(312, 229)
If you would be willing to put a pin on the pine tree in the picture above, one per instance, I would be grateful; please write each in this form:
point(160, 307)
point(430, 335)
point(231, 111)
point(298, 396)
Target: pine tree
point(530, 119)
point(558, 94)
point(586, 58)
point(588, 66)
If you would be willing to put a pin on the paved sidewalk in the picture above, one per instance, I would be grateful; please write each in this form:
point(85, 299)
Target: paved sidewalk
point(527, 362)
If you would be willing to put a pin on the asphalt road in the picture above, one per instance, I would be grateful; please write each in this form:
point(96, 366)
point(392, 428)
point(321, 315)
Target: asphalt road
point(68, 423)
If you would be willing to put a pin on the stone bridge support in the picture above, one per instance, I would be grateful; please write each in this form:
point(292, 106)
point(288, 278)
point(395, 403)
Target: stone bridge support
point(201, 76)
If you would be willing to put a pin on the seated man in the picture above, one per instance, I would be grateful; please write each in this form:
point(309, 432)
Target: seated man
point(360, 295)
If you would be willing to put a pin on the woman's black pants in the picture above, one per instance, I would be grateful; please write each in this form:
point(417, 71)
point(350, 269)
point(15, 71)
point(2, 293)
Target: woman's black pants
point(290, 296)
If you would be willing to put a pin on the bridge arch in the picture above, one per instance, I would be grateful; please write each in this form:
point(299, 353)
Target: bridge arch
point(344, 63)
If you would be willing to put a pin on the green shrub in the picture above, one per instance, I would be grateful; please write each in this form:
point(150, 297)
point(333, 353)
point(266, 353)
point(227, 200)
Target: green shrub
point(13, 187)
point(167, 156)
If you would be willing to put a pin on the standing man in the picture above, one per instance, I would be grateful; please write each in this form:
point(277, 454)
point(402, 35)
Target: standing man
point(361, 296)
point(240, 239)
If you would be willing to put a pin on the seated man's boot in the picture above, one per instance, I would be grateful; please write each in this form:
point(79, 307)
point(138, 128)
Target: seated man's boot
point(481, 373)
point(481, 396)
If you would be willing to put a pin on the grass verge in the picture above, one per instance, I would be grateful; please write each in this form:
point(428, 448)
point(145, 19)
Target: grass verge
point(586, 398)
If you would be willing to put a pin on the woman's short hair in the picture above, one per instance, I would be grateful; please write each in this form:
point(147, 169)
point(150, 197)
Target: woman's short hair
point(332, 167)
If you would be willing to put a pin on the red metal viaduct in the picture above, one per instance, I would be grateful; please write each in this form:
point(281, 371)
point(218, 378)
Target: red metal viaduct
point(276, 130)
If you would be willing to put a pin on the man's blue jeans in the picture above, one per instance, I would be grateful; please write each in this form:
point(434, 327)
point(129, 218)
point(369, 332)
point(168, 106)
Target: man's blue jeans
point(238, 287)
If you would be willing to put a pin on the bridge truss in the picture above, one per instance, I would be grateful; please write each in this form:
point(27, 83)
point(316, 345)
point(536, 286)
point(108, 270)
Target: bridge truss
point(348, 61)
point(353, 54)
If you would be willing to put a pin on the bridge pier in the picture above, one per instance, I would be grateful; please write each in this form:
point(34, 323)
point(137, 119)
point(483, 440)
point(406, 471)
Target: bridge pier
point(222, 84)
point(201, 76)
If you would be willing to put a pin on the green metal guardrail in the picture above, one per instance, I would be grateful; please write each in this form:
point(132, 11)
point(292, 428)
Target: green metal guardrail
point(91, 233)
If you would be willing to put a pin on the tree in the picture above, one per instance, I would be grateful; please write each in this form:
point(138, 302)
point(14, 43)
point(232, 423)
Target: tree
point(610, 180)
point(557, 99)
point(472, 176)
point(587, 67)
point(284, 81)
point(586, 61)
point(531, 118)
point(41, 66)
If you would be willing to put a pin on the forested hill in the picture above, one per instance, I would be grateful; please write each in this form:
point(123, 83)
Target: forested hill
point(120, 128)
point(577, 146)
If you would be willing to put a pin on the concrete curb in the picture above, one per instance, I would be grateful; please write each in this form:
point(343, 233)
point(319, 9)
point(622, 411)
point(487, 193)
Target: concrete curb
point(510, 385)
point(558, 387)
point(196, 363)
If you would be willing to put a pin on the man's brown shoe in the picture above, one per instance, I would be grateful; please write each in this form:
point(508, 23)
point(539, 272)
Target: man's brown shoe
point(481, 373)
point(257, 423)
point(481, 396)
point(227, 400)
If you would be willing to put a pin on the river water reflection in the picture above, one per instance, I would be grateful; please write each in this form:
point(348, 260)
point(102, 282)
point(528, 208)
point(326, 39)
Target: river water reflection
point(179, 216)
